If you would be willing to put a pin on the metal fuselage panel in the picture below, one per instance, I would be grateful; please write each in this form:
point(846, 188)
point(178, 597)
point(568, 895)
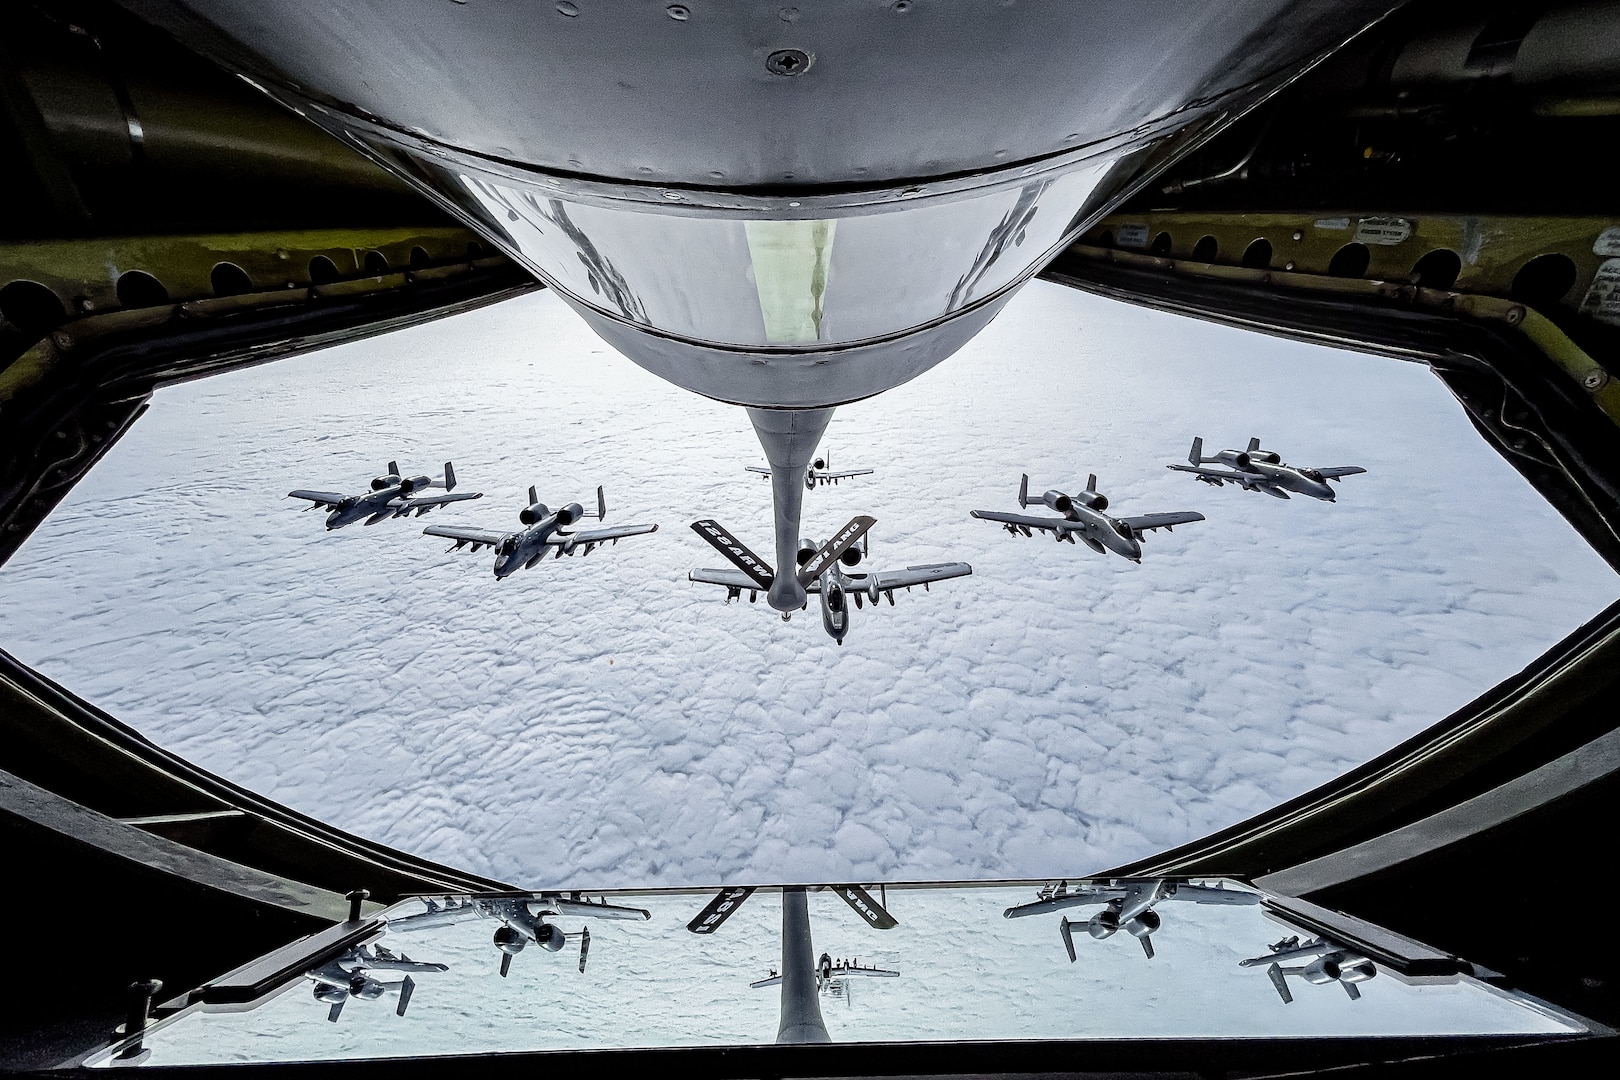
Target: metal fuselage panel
point(530, 544)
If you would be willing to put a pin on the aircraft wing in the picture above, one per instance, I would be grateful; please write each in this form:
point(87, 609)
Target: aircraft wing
point(889, 580)
point(598, 536)
point(843, 474)
point(1218, 474)
point(1161, 521)
point(326, 499)
point(1211, 894)
point(423, 503)
point(476, 537)
point(731, 579)
point(1025, 521)
point(1084, 894)
point(756, 468)
point(1332, 472)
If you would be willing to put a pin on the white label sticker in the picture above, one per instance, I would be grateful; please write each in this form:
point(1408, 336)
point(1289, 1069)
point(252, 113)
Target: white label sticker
point(1336, 224)
point(1382, 230)
point(1608, 242)
point(1132, 236)
point(1602, 301)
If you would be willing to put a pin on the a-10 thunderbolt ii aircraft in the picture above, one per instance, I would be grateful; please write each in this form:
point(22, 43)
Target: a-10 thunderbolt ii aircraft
point(1083, 517)
point(1255, 469)
point(819, 472)
point(547, 530)
point(523, 919)
point(1127, 905)
point(392, 495)
point(820, 571)
point(350, 975)
point(1328, 962)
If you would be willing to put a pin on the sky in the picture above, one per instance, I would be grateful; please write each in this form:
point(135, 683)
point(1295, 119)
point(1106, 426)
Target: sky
point(602, 722)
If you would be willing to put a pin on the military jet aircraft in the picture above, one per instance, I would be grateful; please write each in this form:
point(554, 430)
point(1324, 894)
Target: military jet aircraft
point(392, 495)
point(546, 530)
point(349, 975)
point(1328, 963)
point(1083, 517)
point(1255, 469)
point(819, 472)
point(820, 571)
point(1128, 905)
point(834, 978)
point(523, 920)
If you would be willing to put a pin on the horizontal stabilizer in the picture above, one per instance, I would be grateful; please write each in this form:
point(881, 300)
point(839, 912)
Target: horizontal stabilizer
point(719, 909)
point(866, 907)
point(756, 569)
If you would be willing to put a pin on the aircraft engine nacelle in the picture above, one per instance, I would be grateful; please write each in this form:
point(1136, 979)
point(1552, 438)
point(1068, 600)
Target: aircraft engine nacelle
point(1093, 499)
point(1268, 456)
point(380, 482)
point(806, 550)
point(510, 941)
point(415, 483)
point(331, 995)
point(570, 514)
point(549, 936)
point(1103, 924)
point(1144, 924)
point(1058, 501)
point(1234, 457)
point(529, 515)
point(1339, 967)
point(367, 989)
point(851, 557)
point(819, 463)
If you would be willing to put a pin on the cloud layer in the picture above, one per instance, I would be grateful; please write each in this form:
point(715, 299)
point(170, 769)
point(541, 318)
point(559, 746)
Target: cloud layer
point(604, 722)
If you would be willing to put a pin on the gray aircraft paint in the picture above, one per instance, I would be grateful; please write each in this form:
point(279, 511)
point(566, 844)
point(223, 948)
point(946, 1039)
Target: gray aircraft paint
point(1083, 517)
point(392, 495)
point(546, 530)
point(1255, 469)
point(820, 571)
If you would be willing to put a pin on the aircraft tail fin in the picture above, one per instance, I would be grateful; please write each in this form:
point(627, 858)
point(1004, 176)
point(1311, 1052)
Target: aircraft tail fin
point(1091, 482)
point(601, 504)
point(393, 468)
point(534, 495)
point(506, 963)
point(1196, 457)
point(1254, 444)
point(584, 947)
point(1023, 491)
point(449, 477)
point(1065, 929)
point(1280, 981)
point(406, 989)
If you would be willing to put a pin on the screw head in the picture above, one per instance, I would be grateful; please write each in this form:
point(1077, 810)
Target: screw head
point(1595, 380)
point(788, 62)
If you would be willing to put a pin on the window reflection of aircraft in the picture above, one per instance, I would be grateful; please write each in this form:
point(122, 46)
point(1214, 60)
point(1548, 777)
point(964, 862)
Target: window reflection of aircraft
point(1328, 963)
point(523, 920)
point(833, 977)
point(1083, 517)
point(819, 472)
point(821, 572)
point(1255, 469)
point(1128, 906)
point(350, 975)
point(547, 529)
point(391, 495)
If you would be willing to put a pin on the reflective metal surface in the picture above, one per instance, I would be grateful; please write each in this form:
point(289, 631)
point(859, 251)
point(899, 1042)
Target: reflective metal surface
point(1100, 960)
